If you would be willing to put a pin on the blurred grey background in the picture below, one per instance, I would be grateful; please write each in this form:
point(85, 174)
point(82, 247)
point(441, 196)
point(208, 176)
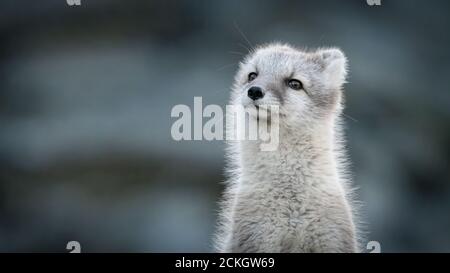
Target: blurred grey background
point(86, 93)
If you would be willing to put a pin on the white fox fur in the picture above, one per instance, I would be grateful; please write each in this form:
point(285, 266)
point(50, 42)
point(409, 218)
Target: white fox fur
point(296, 198)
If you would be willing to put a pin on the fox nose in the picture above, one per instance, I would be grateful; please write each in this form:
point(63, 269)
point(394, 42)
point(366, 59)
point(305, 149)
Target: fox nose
point(255, 93)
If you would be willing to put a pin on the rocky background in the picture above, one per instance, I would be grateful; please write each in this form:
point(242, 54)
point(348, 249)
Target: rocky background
point(86, 93)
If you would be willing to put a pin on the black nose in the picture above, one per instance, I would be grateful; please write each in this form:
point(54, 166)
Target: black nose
point(255, 93)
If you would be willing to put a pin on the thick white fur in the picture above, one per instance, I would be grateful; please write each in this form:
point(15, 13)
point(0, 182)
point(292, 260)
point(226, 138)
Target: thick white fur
point(297, 198)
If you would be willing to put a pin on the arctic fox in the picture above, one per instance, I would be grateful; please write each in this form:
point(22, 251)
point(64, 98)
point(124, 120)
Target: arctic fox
point(296, 198)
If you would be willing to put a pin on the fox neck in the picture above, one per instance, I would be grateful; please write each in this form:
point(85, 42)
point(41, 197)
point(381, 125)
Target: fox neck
point(301, 153)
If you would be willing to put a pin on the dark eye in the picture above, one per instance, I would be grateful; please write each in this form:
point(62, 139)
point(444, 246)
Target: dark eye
point(252, 76)
point(295, 84)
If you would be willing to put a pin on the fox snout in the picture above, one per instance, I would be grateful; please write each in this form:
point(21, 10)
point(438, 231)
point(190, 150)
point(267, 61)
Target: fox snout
point(255, 93)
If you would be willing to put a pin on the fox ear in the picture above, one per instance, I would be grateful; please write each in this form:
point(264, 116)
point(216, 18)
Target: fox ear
point(334, 66)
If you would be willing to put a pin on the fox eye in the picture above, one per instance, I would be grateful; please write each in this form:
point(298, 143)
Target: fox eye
point(295, 84)
point(252, 76)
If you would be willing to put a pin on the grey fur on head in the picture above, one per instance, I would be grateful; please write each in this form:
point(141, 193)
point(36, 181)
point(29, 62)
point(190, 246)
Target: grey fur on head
point(296, 198)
